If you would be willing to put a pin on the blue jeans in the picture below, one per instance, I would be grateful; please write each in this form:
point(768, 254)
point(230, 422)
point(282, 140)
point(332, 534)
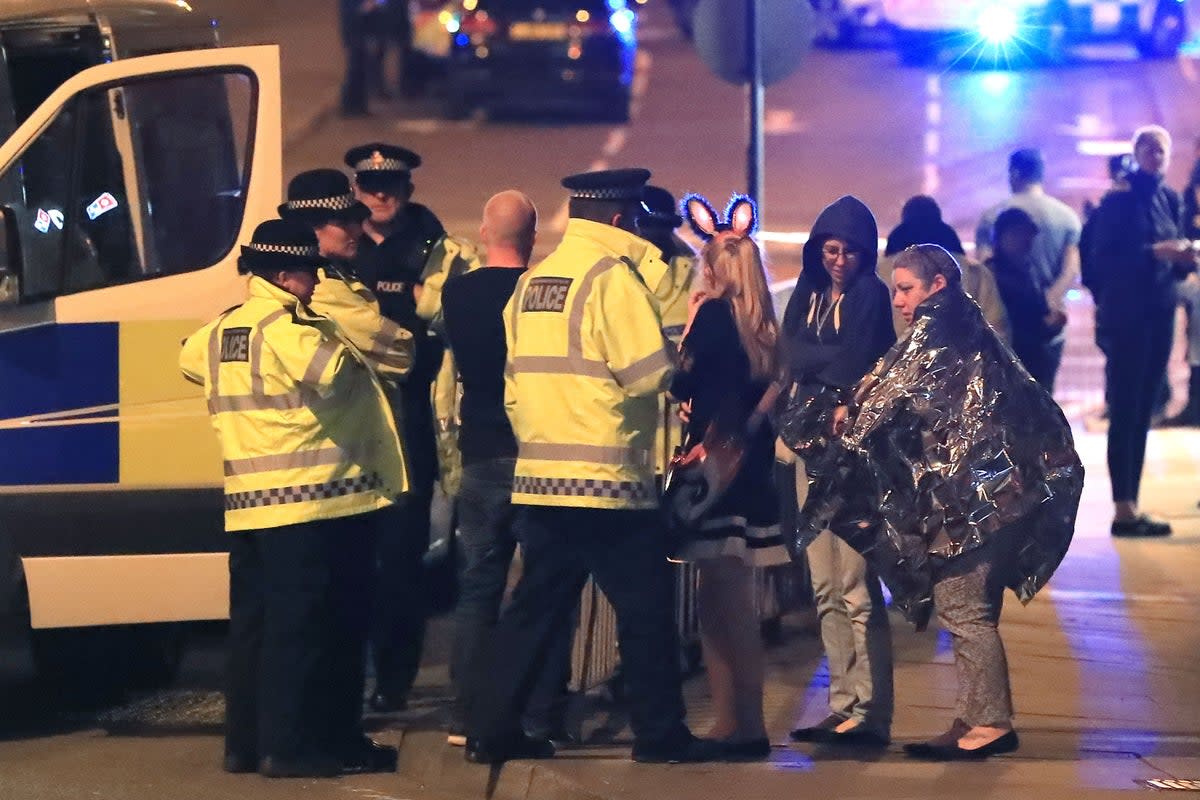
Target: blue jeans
point(487, 541)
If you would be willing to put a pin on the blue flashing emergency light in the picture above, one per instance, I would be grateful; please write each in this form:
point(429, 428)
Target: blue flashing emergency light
point(998, 24)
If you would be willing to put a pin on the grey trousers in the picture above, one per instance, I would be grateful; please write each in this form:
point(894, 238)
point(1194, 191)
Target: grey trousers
point(854, 627)
point(968, 595)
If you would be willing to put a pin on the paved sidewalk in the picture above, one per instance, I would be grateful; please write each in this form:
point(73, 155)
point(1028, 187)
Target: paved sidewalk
point(1105, 677)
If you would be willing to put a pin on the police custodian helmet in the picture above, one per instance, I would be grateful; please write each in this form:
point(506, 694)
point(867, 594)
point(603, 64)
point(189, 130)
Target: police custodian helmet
point(321, 195)
point(281, 244)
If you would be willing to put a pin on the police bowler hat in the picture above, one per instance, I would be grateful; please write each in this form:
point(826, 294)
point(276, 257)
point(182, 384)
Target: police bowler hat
point(322, 195)
point(659, 208)
point(281, 244)
point(380, 166)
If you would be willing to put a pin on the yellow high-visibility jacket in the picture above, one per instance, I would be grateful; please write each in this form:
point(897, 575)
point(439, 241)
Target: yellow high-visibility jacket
point(303, 422)
point(586, 362)
point(672, 291)
point(345, 299)
point(448, 257)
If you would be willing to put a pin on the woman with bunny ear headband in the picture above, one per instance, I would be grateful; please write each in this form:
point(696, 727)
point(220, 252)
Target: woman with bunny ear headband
point(838, 323)
point(729, 364)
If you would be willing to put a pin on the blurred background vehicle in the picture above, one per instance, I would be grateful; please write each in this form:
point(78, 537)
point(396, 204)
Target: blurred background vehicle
point(839, 22)
point(543, 55)
point(843, 23)
point(1020, 32)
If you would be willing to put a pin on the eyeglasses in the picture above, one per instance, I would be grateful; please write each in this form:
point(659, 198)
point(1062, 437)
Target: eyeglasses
point(833, 253)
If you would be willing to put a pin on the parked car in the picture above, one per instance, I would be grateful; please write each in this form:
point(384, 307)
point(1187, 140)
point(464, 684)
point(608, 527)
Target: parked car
point(1031, 31)
point(541, 55)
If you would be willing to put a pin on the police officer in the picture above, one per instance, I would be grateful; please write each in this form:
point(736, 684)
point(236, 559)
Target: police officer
point(322, 199)
point(403, 246)
point(586, 362)
point(310, 451)
point(657, 223)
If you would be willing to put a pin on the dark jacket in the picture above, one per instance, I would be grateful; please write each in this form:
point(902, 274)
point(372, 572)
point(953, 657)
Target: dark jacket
point(1125, 278)
point(1191, 204)
point(835, 346)
point(951, 445)
point(923, 232)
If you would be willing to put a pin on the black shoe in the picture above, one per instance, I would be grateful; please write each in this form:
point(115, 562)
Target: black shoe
point(560, 737)
point(317, 767)
point(387, 703)
point(370, 756)
point(1140, 526)
point(746, 750)
point(686, 751)
point(238, 764)
point(858, 737)
point(514, 748)
point(1007, 743)
point(819, 732)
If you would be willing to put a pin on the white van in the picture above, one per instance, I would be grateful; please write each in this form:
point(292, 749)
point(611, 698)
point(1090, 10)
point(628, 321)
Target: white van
point(135, 157)
point(1020, 32)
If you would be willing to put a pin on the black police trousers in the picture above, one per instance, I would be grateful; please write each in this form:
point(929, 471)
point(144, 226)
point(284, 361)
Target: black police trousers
point(299, 601)
point(626, 554)
point(401, 607)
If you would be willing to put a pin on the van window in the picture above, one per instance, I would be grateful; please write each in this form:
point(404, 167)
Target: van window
point(135, 181)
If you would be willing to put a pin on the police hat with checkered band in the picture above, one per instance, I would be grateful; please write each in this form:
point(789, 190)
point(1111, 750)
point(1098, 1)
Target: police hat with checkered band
point(381, 165)
point(610, 185)
point(322, 195)
point(281, 244)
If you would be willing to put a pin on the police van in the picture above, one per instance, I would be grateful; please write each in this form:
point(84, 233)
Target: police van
point(135, 156)
point(1019, 32)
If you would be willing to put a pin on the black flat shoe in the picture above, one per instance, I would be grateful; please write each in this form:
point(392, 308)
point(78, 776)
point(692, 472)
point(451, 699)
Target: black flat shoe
point(691, 750)
point(819, 732)
point(369, 756)
point(746, 750)
point(858, 737)
point(1007, 743)
point(1140, 526)
point(513, 748)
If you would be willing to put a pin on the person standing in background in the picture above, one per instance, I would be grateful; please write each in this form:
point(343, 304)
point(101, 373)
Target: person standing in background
point(1137, 255)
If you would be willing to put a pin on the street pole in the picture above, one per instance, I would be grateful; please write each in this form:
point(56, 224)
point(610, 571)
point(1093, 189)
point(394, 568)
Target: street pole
point(754, 153)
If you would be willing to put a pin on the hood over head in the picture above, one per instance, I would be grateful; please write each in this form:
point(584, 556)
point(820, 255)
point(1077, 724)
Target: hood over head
point(849, 219)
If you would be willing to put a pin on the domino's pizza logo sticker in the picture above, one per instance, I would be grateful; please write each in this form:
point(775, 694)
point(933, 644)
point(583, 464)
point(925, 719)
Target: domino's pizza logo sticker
point(41, 222)
point(101, 205)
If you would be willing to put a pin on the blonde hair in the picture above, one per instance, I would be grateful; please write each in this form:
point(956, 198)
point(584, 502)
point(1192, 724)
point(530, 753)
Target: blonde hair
point(733, 270)
point(1152, 132)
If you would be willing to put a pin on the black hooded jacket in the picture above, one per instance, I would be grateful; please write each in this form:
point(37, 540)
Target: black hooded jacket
point(828, 344)
point(1126, 279)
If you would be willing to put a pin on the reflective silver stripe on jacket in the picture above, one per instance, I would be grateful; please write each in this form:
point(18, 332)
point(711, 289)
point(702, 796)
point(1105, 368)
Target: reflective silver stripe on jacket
point(586, 453)
point(585, 487)
point(316, 368)
point(256, 344)
point(300, 459)
point(642, 368)
point(282, 495)
point(255, 402)
point(560, 365)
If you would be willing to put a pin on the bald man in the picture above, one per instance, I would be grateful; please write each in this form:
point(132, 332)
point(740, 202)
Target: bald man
point(473, 306)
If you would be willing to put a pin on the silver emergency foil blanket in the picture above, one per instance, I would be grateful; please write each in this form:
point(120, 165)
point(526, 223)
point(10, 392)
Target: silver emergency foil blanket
point(950, 445)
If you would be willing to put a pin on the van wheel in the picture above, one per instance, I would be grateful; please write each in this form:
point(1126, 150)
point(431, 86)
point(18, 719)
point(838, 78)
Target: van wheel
point(1165, 36)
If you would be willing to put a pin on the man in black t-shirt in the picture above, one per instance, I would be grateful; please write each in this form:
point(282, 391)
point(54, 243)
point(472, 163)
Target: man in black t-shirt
point(473, 309)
